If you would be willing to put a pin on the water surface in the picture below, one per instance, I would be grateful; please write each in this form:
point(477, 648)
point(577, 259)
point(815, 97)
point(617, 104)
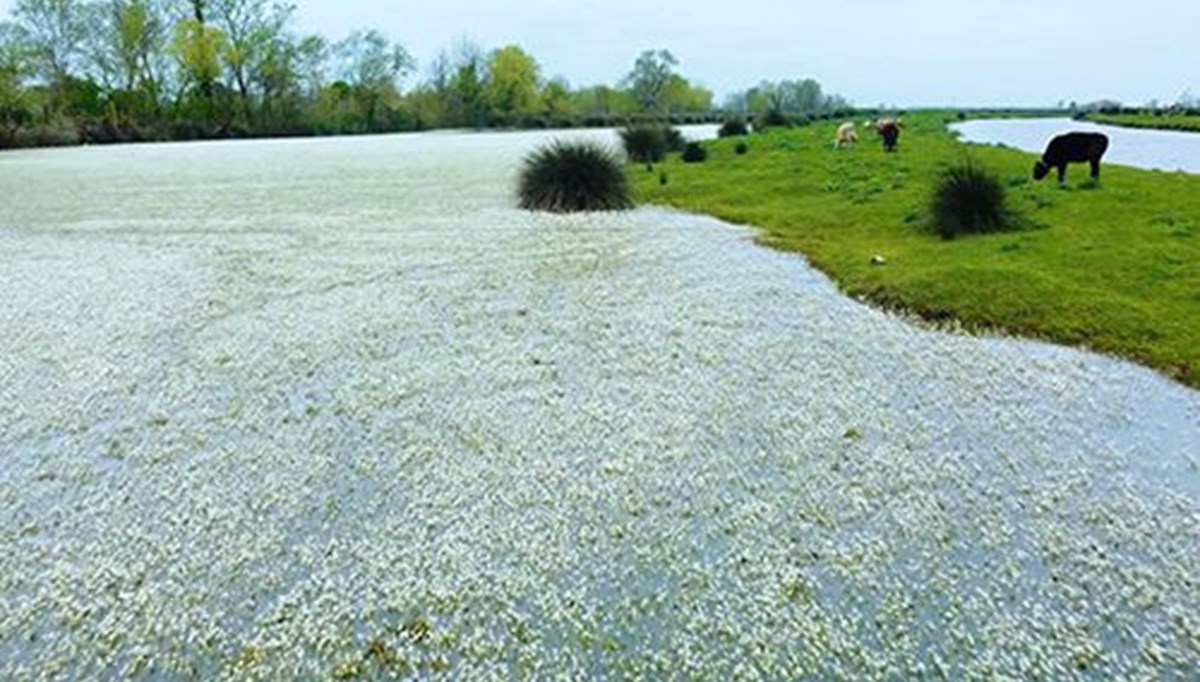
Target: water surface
point(1150, 149)
point(316, 408)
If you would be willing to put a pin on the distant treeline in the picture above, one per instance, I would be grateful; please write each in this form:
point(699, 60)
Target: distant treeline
point(98, 71)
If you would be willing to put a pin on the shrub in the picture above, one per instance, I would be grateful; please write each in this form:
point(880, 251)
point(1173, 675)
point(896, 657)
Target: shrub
point(56, 132)
point(733, 127)
point(741, 148)
point(694, 153)
point(564, 177)
point(772, 118)
point(969, 200)
point(675, 139)
point(645, 143)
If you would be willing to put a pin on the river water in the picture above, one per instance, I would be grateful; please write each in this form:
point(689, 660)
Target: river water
point(335, 408)
point(1150, 149)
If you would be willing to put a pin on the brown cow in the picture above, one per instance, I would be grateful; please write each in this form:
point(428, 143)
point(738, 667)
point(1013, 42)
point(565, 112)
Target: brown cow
point(889, 130)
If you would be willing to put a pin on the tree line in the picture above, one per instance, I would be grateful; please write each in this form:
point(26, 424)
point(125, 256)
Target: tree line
point(74, 71)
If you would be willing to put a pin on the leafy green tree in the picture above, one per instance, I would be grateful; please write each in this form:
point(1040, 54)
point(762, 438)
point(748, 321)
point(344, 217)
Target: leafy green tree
point(680, 96)
point(127, 58)
point(649, 78)
point(198, 47)
point(556, 97)
point(790, 97)
point(371, 68)
point(512, 83)
point(466, 87)
point(257, 43)
point(127, 41)
point(16, 105)
point(603, 100)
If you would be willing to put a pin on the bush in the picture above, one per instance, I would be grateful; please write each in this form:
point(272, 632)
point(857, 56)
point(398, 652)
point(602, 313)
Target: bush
point(56, 132)
point(734, 127)
point(645, 143)
point(650, 142)
point(675, 140)
point(969, 200)
point(565, 177)
point(741, 148)
point(694, 153)
point(772, 119)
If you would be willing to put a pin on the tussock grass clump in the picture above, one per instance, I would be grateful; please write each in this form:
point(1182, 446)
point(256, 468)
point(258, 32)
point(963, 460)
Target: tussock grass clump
point(969, 200)
point(734, 127)
point(645, 143)
point(694, 153)
point(565, 177)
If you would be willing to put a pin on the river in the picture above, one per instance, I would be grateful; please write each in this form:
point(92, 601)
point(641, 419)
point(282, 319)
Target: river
point(336, 408)
point(1150, 149)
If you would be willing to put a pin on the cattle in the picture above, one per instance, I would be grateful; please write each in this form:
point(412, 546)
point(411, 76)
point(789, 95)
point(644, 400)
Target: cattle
point(889, 130)
point(1071, 148)
point(846, 135)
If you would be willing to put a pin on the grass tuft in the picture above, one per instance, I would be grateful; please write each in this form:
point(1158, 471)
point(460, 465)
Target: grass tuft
point(694, 153)
point(969, 200)
point(649, 143)
point(733, 127)
point(565, 177)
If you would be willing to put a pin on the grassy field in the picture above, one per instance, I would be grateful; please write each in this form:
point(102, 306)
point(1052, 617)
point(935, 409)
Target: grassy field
point(1189, 122)
point(1111, 266)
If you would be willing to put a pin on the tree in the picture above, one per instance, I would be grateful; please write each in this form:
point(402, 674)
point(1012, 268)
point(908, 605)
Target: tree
point(126, 42)
point(790, 97)
point(651, 73)
point(512, 83)
point(197, 48)
point(680, 96)
point(556, 97)
point(55, 32)
point(603, 100)
point(312, 55)
point(368, 59)
point(256, 41)
point(16, 110)
point(466, 87)
point(371, 67)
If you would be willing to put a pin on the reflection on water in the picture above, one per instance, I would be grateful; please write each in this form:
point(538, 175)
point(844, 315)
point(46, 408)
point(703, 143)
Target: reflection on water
point(1152, 149)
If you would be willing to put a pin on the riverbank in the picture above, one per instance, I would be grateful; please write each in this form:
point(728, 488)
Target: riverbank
point(1108, 269)
point(1186, 123)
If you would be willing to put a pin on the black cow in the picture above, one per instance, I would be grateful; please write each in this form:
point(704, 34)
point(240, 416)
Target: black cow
point(1070, 148)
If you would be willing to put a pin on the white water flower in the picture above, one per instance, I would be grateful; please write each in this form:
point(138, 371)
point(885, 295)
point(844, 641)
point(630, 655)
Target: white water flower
point(369, 418)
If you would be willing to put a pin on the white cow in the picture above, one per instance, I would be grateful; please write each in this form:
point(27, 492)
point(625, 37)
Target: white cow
point(846, 135)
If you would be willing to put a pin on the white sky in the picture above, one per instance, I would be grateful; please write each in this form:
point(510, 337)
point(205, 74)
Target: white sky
point(898, 52)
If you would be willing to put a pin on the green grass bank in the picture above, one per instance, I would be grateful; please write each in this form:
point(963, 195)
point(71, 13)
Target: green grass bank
point(1113, 267)
point(1187, 123)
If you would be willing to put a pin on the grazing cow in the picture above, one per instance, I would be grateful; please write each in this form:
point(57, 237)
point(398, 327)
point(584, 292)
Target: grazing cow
point(1070, 148)
point(846, 134)
point(889, 130)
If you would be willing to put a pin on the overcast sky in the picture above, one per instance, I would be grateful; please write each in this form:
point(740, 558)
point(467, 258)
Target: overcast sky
point(899, 52)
